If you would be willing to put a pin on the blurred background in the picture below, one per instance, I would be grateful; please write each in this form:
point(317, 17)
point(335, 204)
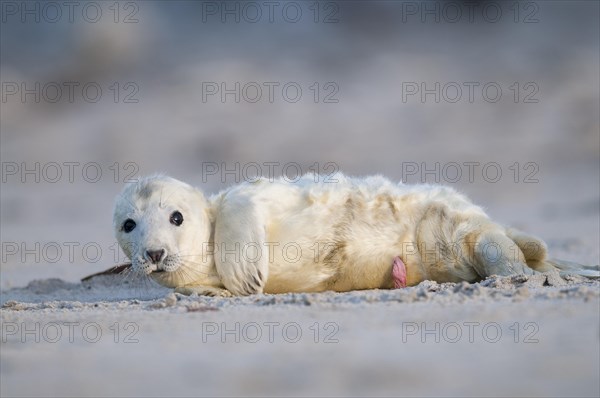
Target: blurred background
point(498, 99)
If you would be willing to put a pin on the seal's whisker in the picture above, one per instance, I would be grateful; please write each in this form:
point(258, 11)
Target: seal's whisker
point(147, 281)
point(182, 274)
point(143, 286)
point(127, 275)
point(202, 271)
point(178, 274)
point(193, 270)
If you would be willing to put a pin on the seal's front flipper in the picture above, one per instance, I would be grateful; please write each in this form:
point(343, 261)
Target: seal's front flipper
point(240, 241)
point(399, 273)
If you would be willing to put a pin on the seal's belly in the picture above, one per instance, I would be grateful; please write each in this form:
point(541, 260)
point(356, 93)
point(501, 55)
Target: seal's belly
point(347, 239)
point(340, 243)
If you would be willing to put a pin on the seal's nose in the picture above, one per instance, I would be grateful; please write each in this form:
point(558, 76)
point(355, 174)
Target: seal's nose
point(155, 255)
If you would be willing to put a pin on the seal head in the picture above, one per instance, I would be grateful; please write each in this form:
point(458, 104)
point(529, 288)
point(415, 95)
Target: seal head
point(163, 225)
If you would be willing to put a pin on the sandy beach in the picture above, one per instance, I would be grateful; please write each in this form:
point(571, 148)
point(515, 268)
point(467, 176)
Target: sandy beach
point(535, 336)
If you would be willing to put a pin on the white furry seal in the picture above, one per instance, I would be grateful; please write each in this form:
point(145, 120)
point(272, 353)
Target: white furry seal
point(307, 236)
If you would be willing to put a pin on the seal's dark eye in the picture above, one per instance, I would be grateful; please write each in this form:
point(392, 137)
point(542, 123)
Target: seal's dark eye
point(128, 225)
point(176, 218)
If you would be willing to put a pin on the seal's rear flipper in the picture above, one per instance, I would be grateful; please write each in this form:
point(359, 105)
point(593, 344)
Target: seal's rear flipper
point(117, 269)
point(571, 268)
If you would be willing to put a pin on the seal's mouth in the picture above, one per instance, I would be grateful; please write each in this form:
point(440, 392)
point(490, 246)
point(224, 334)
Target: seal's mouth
point(158, 271)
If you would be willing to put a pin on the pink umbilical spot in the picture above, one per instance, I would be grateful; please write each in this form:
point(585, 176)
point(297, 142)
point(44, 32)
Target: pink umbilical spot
point(399, 273)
